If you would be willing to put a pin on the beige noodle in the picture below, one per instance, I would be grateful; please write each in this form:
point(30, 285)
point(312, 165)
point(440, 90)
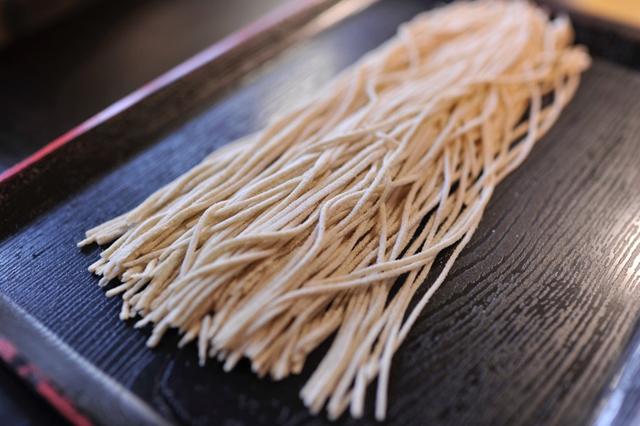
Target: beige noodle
point(279, 241)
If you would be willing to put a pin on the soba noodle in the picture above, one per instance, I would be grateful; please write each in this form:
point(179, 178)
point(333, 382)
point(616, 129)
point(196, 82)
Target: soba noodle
point(328, 221)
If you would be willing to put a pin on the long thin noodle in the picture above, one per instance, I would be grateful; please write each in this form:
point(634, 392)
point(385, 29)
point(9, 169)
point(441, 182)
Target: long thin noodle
point(289, 236)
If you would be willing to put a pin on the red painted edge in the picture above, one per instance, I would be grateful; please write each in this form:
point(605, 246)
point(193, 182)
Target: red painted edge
point(7, 351)
point(216, 50)
point(60, 403)
point(32, 376)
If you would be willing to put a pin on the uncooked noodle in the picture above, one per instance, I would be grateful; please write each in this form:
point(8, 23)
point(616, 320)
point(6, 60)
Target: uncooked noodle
point(328, 221)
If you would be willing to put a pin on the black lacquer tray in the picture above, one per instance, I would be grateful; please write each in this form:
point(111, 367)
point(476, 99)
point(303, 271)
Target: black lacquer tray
point(535, 324)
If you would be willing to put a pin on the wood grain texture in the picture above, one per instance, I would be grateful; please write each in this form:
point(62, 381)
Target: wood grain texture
point(528, 328)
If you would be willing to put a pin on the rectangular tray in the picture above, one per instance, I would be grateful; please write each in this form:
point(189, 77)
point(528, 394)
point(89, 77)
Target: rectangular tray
point(532, 326)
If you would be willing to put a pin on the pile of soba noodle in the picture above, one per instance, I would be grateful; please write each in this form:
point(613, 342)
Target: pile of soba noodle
point(299, 233)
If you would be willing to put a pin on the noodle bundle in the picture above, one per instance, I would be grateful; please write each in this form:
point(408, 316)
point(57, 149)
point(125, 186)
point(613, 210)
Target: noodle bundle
point(328, 221)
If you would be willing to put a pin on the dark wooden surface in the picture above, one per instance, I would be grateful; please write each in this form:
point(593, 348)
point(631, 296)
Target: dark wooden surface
point(529, 328)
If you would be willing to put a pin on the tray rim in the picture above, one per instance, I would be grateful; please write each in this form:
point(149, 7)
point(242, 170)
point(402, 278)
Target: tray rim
point(28, 340)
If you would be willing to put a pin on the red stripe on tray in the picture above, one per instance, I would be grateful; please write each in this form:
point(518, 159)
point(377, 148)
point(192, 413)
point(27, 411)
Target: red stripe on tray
point(61, 404)
point(7, 351)
point(33, 377)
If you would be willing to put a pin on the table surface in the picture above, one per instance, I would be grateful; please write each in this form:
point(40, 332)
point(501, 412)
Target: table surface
point(568, 238)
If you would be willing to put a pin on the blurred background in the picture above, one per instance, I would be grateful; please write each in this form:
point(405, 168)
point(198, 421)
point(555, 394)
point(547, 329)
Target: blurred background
point(63, 61)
